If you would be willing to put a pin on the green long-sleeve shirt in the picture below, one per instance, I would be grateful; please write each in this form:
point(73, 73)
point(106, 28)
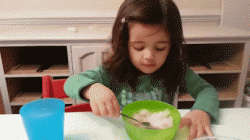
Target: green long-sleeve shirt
point(205, 95)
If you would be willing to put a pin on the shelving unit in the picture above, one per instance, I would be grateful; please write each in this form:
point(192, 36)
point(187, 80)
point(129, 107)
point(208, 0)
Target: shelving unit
point(21, 75)
point(24, 69)
point(227, 69)
point(25, 61)
point(23, 90)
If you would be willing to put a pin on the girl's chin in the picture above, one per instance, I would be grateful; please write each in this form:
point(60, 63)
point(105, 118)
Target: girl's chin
point(147, 72)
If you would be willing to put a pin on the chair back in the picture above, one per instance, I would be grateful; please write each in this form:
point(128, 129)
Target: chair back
point(53, 88)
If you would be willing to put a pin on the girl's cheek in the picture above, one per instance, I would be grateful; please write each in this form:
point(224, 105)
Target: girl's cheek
point(138, 55)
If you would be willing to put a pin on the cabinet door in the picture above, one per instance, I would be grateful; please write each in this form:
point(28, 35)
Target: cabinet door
point(87, 57)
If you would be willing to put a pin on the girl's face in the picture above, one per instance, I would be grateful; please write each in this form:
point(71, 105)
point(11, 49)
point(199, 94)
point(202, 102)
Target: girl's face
point(148, 46)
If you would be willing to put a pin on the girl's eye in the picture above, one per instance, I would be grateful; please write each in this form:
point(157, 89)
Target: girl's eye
point(160, 49)
point(139, 48)
point(161, 46)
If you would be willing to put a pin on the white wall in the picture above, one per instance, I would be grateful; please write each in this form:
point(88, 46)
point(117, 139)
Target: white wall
point(54, 8)
point(198, 4)
point(70, 8)
point(236, 14)
point(57, 5)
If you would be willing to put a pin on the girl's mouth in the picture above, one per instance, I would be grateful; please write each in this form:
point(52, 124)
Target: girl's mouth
point(148, 65)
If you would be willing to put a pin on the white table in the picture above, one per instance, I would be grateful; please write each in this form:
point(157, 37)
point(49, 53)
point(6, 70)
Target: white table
point(233, 122)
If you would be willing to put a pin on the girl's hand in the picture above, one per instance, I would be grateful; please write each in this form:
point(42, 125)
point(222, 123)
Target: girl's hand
point(198, 122)
point(102, 100)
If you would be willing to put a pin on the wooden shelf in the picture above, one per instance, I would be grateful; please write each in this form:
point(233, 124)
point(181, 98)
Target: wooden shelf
point(223, 94)
point(23, 98)
point(227, 94)
point(31, 71)
point(185, 97)
point(217, 68)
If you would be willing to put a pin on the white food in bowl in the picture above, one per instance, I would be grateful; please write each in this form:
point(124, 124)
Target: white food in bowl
point(159, 120)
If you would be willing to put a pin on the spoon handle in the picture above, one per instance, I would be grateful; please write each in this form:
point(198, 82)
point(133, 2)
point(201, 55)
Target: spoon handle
point(146, 124)
point(130, 117)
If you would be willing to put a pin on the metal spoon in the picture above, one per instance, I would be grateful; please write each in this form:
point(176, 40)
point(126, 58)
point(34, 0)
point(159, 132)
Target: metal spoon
point(146, 124)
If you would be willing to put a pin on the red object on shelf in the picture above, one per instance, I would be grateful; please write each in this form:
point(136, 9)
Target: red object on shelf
point(54, 89)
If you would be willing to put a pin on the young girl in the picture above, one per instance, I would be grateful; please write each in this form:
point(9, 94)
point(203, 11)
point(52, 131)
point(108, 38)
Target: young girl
point(146, 64)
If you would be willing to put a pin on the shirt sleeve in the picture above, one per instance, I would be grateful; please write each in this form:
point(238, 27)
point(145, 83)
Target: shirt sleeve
point(205, 94)
point(76, 83)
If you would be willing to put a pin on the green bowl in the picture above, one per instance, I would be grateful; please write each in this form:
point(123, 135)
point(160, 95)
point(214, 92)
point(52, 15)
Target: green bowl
point(137, 133)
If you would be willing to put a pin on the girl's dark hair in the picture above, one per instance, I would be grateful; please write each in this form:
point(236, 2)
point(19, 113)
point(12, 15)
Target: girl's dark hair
point(159, 12)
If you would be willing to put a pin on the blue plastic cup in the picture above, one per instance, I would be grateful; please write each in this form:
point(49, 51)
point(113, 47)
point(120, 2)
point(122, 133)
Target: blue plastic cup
point(44, 119)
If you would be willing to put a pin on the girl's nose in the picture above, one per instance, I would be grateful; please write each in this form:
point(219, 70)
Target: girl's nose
point(148, 54)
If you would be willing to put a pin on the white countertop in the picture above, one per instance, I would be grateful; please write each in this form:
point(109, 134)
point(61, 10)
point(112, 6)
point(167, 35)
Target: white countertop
point(233, 122)
point(103, 32)
point(214, 32)
point(54, 32)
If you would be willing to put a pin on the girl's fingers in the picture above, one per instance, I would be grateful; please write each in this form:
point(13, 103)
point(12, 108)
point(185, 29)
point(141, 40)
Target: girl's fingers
point(208, 131)
point(103, 109)
point(95, 109)
point(116, 107)
point(200, 131)
point(193, 132)
point(111, 109)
